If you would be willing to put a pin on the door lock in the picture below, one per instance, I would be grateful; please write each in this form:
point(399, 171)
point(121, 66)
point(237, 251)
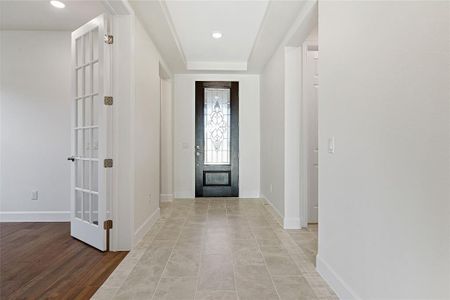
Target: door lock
point(72, 158)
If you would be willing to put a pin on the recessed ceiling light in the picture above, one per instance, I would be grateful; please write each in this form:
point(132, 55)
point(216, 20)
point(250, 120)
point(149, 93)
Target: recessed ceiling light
point(217, 35)
point(57, 4)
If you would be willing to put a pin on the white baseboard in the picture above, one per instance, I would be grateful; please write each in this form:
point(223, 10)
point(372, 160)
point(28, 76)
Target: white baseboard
point(249, 194)
point(278, 216)
point(166, 197)
point(186, 195)
point(145, 227)
point(342, 290)
point(287, 223)
point(35, 216)
point(291, 223)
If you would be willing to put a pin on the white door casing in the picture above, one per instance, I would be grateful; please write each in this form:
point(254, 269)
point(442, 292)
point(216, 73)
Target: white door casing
point(91, 132)
point(310, 131)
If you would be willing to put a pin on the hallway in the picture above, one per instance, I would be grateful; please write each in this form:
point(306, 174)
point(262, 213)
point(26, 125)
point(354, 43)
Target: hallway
point(219, 249)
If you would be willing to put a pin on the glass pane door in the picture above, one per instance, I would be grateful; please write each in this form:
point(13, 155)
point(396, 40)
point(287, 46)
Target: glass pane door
point(217, 126)
point(87, 127)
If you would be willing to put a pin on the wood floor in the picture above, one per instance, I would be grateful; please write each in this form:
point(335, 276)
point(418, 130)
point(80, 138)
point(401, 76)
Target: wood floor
point(42, 261)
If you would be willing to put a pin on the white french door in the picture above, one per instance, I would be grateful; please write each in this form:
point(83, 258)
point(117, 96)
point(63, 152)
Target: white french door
point(91, 126)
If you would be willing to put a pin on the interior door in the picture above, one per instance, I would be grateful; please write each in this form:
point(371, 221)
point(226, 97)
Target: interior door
point(217, 139)
point(91, 120)
point(311, 85)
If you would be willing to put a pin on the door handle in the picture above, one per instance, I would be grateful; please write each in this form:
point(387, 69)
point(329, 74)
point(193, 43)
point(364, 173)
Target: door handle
point(197, 153)
point(71, 158)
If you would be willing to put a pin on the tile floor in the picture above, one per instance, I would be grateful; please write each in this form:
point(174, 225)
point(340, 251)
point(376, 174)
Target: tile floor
point(221, 248)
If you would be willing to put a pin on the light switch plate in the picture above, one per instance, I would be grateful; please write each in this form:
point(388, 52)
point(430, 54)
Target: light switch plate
point(331, 145)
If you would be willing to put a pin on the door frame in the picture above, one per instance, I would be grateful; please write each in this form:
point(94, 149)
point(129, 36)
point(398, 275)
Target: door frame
point(234, 136)
point(304, 159)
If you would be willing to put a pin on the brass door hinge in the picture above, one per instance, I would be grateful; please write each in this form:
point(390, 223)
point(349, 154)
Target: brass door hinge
point(109, 100)
point(108, 163)
point(109, 39)
point(107, 225)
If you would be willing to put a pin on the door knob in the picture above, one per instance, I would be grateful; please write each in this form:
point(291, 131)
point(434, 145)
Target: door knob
point(197, 153)
point(71, 158)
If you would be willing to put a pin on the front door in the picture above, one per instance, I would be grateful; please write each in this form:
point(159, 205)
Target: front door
point(91, 121)
point(216, 139)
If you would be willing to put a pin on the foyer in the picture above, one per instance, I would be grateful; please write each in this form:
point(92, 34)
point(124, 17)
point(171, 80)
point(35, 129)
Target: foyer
point(229, 149)
point(219, 249)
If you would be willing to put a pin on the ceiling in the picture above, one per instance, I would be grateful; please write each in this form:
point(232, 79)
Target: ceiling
point(238, 21)
point(252, 30)
point(181, 29)
point(40, 15)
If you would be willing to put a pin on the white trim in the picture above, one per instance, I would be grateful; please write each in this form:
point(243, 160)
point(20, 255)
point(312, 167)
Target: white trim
point(249, 194)
point(120, 7)
point(291, 223)
point(287, 223)
point(175, 36)
point(166, 197)
point(35, 216)
point(279, 217)
point(186, 195)
point(146, 226)
point(216, 66)
point(258, 35)
point(342, 290)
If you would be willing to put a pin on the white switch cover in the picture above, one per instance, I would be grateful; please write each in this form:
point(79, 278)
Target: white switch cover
point(34, 195)
point(331, 146)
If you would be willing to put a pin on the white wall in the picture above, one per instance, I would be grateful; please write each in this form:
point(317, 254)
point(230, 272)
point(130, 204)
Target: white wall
point(384, 194)
point(35, 125)
point(123, 171)
point(146, 131)
point(280, 120)
point(272, 131)
point(166, 141)
point(184, 133)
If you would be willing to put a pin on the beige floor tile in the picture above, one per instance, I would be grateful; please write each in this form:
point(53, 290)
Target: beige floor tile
point(293, 288)
point(254, 282)
point(180, 288)
point(216, 295)
point(264, 234)
point(279, 261)
point(106, 294)
point(216, 273)
point(220, 248)
point(183, 263)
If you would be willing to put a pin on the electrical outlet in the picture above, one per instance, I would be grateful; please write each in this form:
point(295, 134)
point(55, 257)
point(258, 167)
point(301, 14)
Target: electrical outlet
point(34, 195)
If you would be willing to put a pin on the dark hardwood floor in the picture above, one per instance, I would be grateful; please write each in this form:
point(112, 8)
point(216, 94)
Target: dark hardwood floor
point(42, 261)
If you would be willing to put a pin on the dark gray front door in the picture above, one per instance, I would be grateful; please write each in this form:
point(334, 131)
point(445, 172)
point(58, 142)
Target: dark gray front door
point(216, 139)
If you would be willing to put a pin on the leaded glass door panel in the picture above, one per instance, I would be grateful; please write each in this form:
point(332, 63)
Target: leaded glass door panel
point(217, 139)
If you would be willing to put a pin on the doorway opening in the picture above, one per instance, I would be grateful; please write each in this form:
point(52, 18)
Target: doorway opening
point(216, 139)
point(310, 133)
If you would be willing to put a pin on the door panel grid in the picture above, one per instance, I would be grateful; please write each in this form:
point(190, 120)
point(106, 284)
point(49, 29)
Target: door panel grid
point(91, 125)
point(87, 128)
